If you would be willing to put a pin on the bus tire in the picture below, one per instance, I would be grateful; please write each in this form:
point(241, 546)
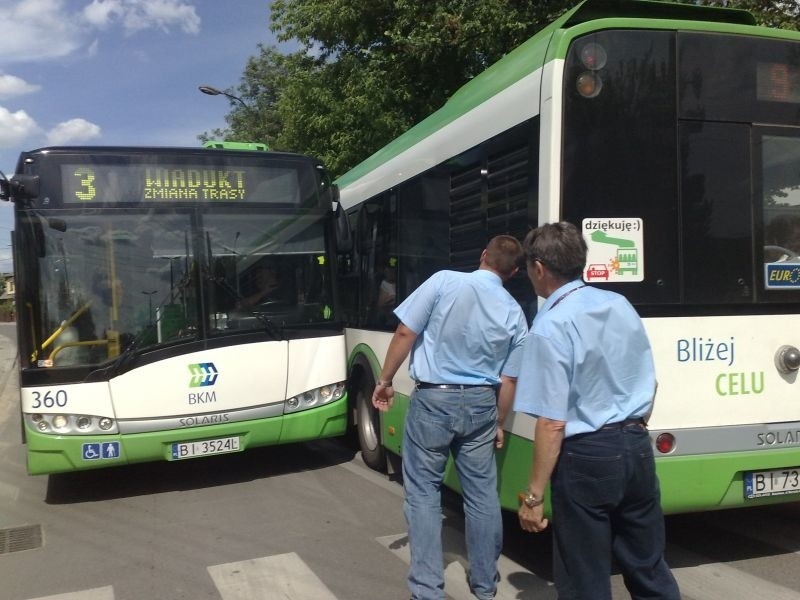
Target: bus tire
point(368, 421)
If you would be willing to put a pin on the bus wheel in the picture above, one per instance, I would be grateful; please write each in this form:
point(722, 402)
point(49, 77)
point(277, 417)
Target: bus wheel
point(369, 427)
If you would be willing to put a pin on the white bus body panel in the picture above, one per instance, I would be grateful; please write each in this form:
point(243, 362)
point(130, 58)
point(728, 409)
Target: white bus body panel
point(513, 105)
point(550, 142)
point(378, 342)
point(311, 366)
point(284, 369)
point(75, 398)
point(163, 388)
point(716, 371)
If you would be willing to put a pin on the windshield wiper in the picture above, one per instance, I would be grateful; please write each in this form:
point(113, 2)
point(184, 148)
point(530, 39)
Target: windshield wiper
point(276, 331)
point(125, 357)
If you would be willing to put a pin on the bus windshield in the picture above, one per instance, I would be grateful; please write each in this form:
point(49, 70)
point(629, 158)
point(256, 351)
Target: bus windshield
point(111, 278)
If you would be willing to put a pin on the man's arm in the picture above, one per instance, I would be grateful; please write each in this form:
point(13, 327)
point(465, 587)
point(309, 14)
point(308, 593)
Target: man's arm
point(399, 348)
point(547, 447)
point(505, 399)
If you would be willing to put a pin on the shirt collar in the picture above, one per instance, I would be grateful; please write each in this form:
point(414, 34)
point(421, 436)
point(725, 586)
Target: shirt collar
point(560, 292)
point(489, 276)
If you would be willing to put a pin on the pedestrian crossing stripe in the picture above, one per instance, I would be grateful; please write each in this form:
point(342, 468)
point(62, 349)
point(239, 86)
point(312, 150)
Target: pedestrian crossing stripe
point(288, 577)
point(718, 581)
point(280, 576)
point(515, 580)
point(103, 593)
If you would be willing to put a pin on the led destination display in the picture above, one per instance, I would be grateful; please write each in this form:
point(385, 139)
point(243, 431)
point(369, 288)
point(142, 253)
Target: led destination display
point(175, 183)
point(778, 82)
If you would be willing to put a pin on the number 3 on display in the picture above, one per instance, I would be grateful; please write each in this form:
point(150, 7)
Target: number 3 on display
point(86, 182)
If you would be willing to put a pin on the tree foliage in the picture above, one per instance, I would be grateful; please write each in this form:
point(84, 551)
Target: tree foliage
point(366, 70)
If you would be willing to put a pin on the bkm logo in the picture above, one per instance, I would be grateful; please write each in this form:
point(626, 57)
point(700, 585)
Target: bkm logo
point(203, 374)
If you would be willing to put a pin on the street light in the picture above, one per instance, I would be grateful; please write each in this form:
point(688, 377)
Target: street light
point(150, 303)
point(212, 91)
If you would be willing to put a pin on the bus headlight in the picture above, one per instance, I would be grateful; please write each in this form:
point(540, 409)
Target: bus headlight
point(71, 424)
point(314, 398)
point(589, 84)
point(593, 56)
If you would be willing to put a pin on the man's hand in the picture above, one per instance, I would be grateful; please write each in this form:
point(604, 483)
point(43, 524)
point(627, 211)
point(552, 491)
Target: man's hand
point(532, 519)
point(383, 397)
point(499, 438)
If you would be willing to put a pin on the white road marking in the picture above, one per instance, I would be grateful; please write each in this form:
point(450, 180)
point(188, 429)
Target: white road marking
point(103, 593)
point(718, 581)
point(278, 577)
point(515, 580)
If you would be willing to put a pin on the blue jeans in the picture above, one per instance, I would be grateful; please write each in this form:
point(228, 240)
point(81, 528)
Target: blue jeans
point(464, 423)
point(606, 501)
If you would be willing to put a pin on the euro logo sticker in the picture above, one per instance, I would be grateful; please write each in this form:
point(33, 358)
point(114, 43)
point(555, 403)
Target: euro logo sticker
point(782, 275)
point(203, 374)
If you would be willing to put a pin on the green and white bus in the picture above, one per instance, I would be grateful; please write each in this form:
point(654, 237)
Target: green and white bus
point(174, 303)
point(670, 134)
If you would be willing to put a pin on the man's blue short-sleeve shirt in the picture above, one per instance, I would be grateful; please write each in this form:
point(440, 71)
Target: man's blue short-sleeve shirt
point(470, 330)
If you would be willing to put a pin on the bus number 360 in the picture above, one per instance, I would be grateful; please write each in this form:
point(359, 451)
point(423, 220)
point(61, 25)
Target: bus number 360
point(49, 399)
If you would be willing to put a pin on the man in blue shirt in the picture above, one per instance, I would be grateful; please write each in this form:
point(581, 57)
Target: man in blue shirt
point(465, 334)
point(589, 379)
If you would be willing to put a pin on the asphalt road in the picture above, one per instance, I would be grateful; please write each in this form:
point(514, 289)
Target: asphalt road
point(302, 522)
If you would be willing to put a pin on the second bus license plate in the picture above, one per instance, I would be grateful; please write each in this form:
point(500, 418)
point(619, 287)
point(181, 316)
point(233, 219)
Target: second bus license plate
point(205, 447)
point(772, 483)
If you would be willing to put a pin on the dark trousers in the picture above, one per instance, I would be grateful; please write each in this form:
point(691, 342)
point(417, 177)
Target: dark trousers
point(606, 502)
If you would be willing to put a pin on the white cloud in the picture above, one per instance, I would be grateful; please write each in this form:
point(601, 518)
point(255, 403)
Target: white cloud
point(45, 29)
point(72, 132)
point(100, 13)
point(15, 127)
point(93, 48)
point(35, 30)
point(11, 86)
point(135, 15)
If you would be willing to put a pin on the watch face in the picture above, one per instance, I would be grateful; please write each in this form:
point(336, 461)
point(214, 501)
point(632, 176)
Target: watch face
point(532, 501)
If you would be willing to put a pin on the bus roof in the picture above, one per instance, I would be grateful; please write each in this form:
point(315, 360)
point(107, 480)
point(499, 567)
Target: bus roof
point(530, 56)
point(225, 145)
point(591, 10)
point(163, 150)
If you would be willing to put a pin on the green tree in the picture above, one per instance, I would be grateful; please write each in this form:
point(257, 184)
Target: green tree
point(367, 70)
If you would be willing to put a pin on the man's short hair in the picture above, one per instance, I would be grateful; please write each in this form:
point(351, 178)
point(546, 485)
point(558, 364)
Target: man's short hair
point(558, 246)
point(504, 254)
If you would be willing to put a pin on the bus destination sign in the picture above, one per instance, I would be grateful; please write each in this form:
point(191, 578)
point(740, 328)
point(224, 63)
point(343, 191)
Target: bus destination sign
point(778, 82)
point(177, 183)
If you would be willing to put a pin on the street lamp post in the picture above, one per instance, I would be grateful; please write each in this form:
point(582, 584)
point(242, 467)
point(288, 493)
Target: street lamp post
point(212, 91)
point(150, 303)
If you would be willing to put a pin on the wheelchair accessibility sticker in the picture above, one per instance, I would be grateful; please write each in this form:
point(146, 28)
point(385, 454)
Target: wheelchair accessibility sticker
point(100, 450)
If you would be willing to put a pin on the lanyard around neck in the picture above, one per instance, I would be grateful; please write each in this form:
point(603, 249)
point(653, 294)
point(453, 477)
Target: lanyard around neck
point(565, 294)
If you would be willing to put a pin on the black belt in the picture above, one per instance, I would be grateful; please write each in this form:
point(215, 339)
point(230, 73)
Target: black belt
point(423, 385)
point(625, 423)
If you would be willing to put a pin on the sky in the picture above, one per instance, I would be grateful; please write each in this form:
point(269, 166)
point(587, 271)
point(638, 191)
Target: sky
point(117, 72)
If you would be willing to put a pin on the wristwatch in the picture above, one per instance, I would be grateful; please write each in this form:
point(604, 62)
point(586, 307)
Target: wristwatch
point(530, 500)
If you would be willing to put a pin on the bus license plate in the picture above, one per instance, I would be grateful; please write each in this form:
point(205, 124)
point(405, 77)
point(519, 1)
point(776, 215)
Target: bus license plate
point(205, 447)
point(772, 483)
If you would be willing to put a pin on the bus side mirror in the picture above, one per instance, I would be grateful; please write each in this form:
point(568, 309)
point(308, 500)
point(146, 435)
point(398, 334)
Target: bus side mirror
point(5, 189)
point(344, 237)
point(24, 187)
